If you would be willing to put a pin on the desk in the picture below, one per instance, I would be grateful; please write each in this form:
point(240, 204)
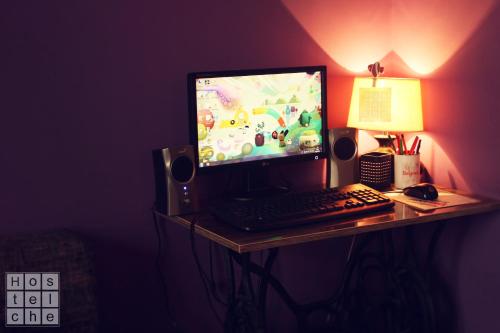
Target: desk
point(402, 215)
point(240, 244)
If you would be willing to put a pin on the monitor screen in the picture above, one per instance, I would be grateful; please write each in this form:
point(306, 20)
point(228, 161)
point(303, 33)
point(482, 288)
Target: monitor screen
point(259, 115)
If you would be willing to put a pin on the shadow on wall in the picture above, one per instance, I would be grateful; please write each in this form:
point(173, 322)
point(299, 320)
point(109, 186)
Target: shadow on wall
point(443, 170)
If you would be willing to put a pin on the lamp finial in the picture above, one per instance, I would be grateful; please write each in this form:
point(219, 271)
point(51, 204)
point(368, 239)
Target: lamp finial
point(376, 69)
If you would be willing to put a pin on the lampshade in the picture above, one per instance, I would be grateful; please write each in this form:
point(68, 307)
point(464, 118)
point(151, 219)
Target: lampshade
point(386, 104)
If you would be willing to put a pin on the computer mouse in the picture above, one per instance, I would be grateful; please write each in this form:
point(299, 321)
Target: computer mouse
point(424, 191)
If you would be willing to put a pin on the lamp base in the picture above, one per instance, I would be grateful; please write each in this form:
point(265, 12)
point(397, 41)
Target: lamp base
point(385, 143)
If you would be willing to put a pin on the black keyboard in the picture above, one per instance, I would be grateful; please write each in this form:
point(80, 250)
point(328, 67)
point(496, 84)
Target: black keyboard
point(294, 209)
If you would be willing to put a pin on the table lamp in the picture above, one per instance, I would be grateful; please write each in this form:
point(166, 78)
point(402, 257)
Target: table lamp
point(388, 105)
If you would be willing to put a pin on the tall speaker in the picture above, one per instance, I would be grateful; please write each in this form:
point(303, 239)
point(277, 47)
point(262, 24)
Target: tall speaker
point(175, 171)
point(343, 166)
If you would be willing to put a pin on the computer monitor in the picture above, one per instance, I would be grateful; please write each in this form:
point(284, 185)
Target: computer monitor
point(259, 117)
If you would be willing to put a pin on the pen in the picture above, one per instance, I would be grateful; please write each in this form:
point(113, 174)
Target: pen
point(392, 143)
point(418, 147)
point(413, 146)
point(400, 145)
point(404, 144)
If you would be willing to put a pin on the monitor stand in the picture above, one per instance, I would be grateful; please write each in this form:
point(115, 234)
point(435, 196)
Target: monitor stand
point(256, 183)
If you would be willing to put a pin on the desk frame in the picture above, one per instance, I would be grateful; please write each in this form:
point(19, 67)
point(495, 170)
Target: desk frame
point(239, 244)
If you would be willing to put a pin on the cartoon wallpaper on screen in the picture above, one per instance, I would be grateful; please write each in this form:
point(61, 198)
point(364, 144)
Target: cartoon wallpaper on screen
point(249, 118)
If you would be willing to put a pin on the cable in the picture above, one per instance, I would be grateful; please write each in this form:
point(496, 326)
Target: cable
point(271, 257)
point(211, 265)
point(208, 282)
point(406, 304)
point(202, 273)
point(351, 247)
point(432, 245)
point(211, 280)
point(161, 274)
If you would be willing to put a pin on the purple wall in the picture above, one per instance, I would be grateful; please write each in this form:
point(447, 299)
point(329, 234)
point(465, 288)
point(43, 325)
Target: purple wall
point(462, 114)
point(88, 88)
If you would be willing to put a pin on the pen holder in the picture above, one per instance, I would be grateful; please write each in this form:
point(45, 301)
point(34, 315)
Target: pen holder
point(375, 170)
point(406, 170)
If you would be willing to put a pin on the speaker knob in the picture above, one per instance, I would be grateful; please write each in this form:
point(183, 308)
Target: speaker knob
point(182, 169)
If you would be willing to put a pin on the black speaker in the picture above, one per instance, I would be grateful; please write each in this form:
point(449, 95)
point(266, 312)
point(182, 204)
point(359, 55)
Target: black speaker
point(342, 168)
point(175, 172)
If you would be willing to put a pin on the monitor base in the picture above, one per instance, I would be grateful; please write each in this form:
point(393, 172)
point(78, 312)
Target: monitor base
point(259, 193)
point(256, 183)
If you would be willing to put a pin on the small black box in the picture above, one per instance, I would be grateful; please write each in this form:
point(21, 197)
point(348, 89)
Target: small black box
point(375, 169)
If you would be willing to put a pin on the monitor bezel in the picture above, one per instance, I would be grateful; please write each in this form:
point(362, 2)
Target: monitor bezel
point(193, 117)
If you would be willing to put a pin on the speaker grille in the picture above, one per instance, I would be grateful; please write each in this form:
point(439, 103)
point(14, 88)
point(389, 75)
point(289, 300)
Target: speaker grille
point(344, 148)
point(182, 169)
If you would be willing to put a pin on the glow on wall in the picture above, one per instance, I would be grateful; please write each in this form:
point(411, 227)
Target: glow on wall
point(423, 33)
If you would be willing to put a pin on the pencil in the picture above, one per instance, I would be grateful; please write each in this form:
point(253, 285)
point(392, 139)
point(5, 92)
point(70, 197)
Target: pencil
point(413, 146)
point(404, 144)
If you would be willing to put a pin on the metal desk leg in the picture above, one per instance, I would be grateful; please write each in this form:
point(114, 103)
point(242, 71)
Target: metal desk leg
point(264, 281)
point(242, 314)
point(266, 278)
point(409, 287)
